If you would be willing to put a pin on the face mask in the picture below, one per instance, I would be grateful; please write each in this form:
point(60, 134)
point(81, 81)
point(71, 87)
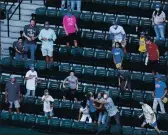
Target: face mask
point(32, 69)
point(46, 94)
point(105, 96)
point(157, 9)
point(141, 103)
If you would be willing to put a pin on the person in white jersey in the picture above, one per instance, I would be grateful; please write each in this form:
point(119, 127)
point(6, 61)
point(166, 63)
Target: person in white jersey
point(47, 104)
point(47, 36)
point(31, 81)
point(149, 116)
point(84, 113)
point(118, 35)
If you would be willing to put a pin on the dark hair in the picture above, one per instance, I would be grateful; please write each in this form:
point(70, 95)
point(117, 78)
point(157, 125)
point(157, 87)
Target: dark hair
point(83, 103)
point(32, 20)
point(148, 38)
point(20, 38)
point(157, 12)
point(72, 71)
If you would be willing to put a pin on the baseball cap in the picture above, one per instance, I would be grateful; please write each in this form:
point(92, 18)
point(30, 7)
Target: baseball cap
point(12, 77)
point(157, 6)
point(158, 76)
point(106, 92)
point(142, 33)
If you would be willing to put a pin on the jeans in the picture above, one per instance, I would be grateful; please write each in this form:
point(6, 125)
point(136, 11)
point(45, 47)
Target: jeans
point(155, 104)
point(160, 31)
point(32, 48)
point(28, 93)
point(78, 4)
point(19, 56)
point(102, 117)
point(48, 114)
point(63, 3)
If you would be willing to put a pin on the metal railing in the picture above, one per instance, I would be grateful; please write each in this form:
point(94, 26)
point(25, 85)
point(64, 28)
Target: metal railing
point(10, 16)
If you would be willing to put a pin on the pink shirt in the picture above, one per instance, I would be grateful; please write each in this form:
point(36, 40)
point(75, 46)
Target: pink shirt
point(69, 23)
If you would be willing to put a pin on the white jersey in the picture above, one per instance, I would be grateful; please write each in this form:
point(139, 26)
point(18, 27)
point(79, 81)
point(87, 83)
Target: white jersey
point(148, 114)
point(85, 114)
point(31, 83)
point(117, 32)
point(47, 100)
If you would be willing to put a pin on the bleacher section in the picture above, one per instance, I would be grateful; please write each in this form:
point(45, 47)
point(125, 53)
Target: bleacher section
point(93, 65)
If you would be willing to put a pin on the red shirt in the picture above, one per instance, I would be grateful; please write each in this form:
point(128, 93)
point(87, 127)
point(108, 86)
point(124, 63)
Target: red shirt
point(152, 51)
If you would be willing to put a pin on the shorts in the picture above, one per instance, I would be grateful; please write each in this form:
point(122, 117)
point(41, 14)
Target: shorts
point(48, 114)
point(153, 65)
point(85, 117)
point(16, 104)
point(93, 116)
point(47, 51)
point(71, 37)
point(71, 94)
point(154, 124)
point(123, 43)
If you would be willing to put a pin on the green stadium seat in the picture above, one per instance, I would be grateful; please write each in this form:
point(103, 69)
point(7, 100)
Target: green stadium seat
point(90, 127)
point(88, 70)
point(78, 127)
point(76, 106)
point(66, 124)
point(127, 130)
point(30, 119)
point(2, 6)
point(88, 53)
point(133, 21)
point(137, 96)
point(136, 80)
point(41, 65)
point(42, 123)
point(100, 54)
point(6, 63)
point(101, 89)
point(162, 120)
point(41, 86)
point(133, 3)
point(29, 100)
point(28, 63)
point(145, 22)
point(126, 114)
point(18, 119)
point(18, 66)
point(165, 6)
point(86, 16)
point(89, 88)
point(54, 87)
point(56, 103)
point(151, 132)
point(148, 81)
point(139, 131)
point(115, 129)
point(109, 18)
point(137, 61)
point(77, 69)
point(98, 17)
point(76, 14)
point(54, 124)
point(121, 3)
point(62, 13)
point(100, 71)
point(51, 12)
point(63, 49)
point(61, 32)
point(4, 79)
point(145, 4)
point(65, 106)
point(114, 93)
point(6, 117)
point(148, 97)
point(41, 11)
point(39, 101)
point(65, 67)
point(125, 98)
point(135, 117)
point(110, 2)
point(122, 19)
point(112, 79)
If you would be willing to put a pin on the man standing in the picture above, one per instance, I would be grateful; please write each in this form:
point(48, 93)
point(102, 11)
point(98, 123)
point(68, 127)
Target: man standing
point(118, 35)
point(12, 94)
point(150, 117)
point(72, 81)
point(159, 94)
point(118, 55)
point(31, 81)
point(47, 36)
point(19, 49)
point(152, 54)
point(31, 34)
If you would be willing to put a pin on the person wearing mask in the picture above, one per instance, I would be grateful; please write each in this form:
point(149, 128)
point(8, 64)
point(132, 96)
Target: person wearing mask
point(149, 116)
point(118, 55)
point(142, 43)
point(152, 55)
point(92, 108)
point(111, 109)
point(30, 33)
point(124, 80)
point(84, 112)
point(72, 82)
point(159, 22)
point(100, 108)
point(118, 35)
point(19, 50)
point(63, 4)
point(47, 36)
point(159, 94)
point(12, 94)
point(31, 81)
point(76, 3)
point(70, 27)
point(47, 104)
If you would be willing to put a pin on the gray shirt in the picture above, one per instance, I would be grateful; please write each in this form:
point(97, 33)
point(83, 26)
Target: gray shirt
point(31, 32)
point(13, 90)
point(110, 107)
point(72, 81)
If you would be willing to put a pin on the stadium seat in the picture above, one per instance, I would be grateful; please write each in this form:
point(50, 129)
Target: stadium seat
point(18, 66)
point(88, 72)
point(148, 82)
point(137, 96)
point(126, 114)
point(112, 79)
point(90, 88)
point(127, 130)
point(28, 63)
point(146, 4)
point(148, 97)
point(135, 117)
point(133, 21)
point(101, 57)
point(125, 97)
point(6, 117)
point(42, 123)
point(51, 12)
point(66, 124)
point(165, 6)
point(64, 69)
point(114, 93)
point(39, 106)
point(100, 74)
point(54, 124)
point(115, 129)
point(151, 132)
point(7, 64)
point(28, 104)
point(121, 2)
point(78, 127)
point(90, 127)
point(136, 80)
point(137, 61)
point(77, 69)
point(30, 119)
point(162, 120)
point(56, 103)
point(18, 119)
point(4, 79)
point(41, 11)
point(145, 22)
point(41, 86)
point(133, 3)
point(110, 2)
point(122, 19)
point(153, 5)
point(101, 89)
point(139, 131)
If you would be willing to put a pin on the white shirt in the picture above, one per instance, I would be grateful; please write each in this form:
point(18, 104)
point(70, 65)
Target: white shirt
point(49, 34)
point(46, 105)
point(148, 114)
point(31, 83)
point(84, 111)
point(117, 33)
point(158, 19)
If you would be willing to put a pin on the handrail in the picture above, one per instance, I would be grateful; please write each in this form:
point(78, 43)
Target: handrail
point(10, 16)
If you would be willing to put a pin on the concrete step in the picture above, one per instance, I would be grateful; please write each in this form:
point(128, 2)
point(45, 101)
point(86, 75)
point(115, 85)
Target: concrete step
point(22, 17)
point(11, 34)
point(8, 40)
point(12, 29)
point(35, 2)
point(16, 23)
point(30, 7)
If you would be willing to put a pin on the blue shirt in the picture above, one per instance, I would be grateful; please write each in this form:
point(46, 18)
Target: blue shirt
point(159, 89)
point(117, 54)
point(91, 107)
